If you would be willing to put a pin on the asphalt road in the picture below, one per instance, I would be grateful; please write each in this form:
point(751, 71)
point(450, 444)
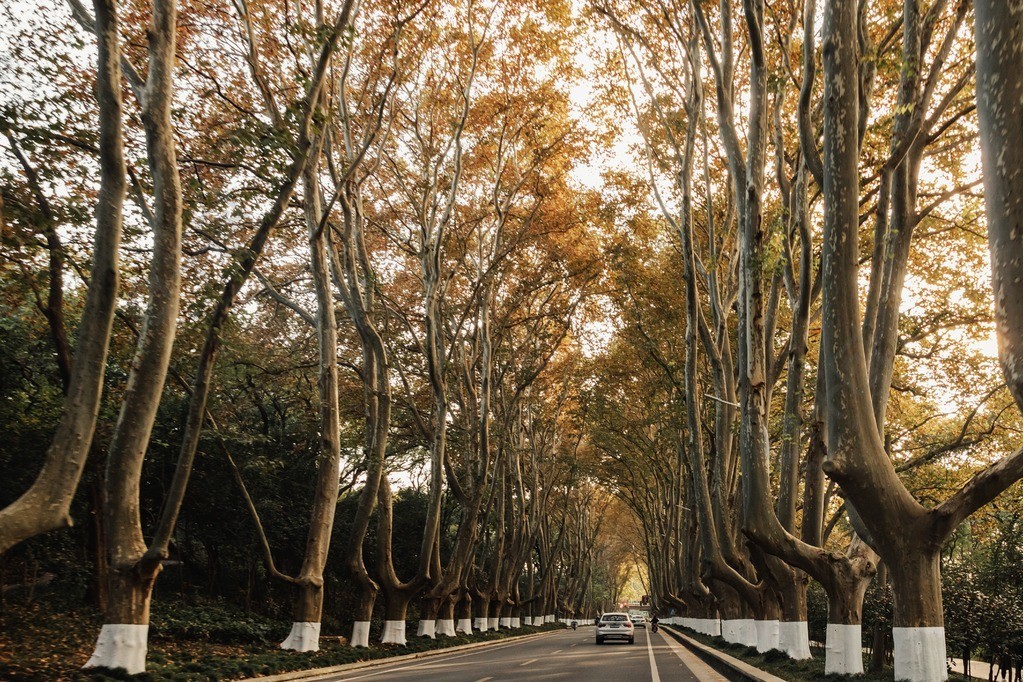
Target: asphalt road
point(562, 656)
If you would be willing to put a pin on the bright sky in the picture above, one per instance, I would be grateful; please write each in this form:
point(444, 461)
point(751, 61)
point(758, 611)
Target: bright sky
point(620, 155)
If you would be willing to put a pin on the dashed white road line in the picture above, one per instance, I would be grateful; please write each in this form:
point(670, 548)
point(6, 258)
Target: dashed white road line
point(444, 659)
point(655, 677)
point(558, 651)
point(527, 662)
point(484, 679)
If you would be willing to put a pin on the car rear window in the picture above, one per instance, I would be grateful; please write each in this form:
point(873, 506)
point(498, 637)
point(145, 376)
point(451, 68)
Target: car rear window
point(613, 618)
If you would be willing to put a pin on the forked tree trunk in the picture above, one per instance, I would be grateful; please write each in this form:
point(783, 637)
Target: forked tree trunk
point(131, 569)
point(906, 535)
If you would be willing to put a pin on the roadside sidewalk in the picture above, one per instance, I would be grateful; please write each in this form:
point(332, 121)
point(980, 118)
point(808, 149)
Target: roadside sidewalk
point(979, 669)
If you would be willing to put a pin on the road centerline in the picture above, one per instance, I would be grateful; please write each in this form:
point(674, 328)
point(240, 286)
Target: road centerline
point(532, 660)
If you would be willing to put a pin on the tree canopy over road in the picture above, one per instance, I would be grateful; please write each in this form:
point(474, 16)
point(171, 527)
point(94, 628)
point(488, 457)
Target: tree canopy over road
point(474, 315)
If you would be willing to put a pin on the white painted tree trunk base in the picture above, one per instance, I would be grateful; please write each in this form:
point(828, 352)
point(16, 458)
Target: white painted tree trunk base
point(505, 622)
point(121, 646)
point(714, 627)
point(394, 632)
point(445, 627)
point(492, 623)
point(731, 631)
point(480, 624)
point(303, 637)
point(748, 632)
point(843, 650)
point(767, 635)
point(465, 626)
point(360, 634)
point(550, 618)
point(515, 623)
point(919, 654)
point(793, 639)
point(426, 628)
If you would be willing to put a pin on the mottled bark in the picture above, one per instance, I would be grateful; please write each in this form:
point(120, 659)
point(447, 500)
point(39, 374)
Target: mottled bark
point(905, 534)
point(310, 579)
point(997, 30)
point(130, 572)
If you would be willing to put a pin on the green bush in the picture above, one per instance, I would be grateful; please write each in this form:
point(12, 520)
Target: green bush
point(215, 624)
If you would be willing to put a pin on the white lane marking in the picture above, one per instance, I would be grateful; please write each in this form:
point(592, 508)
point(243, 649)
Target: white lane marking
point(484, 679)
point(451, 657)
point(655, 677)
point(527, 662)
point(557, 652)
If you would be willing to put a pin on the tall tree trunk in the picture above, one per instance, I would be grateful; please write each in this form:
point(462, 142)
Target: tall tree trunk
point(997, 30)
point(906, 535)
point(305, 632)
point(45, 506)
point(131, 572)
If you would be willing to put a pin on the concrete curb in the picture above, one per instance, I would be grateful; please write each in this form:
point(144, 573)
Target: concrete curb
point(359, 665)
point(744, 670)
